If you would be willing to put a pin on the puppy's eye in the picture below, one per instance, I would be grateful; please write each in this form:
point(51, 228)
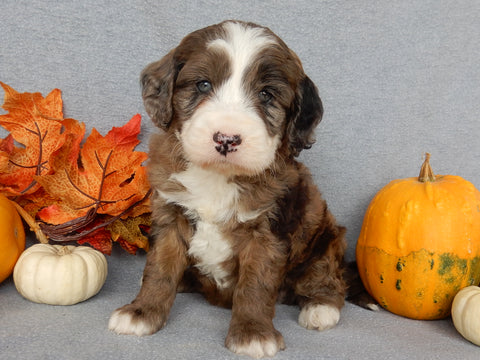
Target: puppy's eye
point(265, 96)
point(204, 86)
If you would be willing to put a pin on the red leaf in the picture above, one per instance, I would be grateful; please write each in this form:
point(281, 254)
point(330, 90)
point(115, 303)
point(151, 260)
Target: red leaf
point(100, 240)
point(130, 248)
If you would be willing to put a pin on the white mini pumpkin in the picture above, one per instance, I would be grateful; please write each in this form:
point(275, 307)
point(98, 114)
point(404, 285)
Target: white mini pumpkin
point(466, 313)
point(59, 275)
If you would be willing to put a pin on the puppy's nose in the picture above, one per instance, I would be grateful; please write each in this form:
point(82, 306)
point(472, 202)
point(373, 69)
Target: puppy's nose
point(226, 143)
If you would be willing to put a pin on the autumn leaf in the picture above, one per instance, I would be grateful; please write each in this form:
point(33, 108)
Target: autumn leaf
point(130, 232)
point(109, 179)
point(6, 148)
point(35, 122)
point(99, 239)
point(77, 187)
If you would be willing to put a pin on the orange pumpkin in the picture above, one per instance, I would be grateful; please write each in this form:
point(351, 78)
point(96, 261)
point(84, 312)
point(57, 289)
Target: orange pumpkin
point(12, 237)
point(420, 244)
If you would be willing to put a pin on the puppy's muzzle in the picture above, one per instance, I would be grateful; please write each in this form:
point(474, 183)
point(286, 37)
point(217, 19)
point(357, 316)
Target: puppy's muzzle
point(226, 143)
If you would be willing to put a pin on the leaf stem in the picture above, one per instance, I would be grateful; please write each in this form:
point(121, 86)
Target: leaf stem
point(34, 226)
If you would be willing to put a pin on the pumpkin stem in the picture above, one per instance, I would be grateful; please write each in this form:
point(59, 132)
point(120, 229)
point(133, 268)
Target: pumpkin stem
point(64, 250)
point(426, 172)
point(41, 237)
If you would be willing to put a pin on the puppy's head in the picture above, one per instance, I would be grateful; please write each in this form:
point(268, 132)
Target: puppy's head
point(235, 96)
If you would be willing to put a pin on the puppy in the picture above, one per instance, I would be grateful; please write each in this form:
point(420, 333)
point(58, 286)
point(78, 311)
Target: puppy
point(235, 216)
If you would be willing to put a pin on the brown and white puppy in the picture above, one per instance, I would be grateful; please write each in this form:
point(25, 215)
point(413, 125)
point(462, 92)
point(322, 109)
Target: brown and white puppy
point(235, 216)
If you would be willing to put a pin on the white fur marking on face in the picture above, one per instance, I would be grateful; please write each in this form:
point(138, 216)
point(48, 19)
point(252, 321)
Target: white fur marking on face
point(257, 349)
point(230, 111)
point(256, 152)
point(122, 323)
point(319, 317)
point(242, 44)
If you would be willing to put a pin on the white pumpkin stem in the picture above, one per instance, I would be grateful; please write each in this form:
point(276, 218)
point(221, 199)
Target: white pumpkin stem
point(41, 237)
point(426, 172)
point(64, 250)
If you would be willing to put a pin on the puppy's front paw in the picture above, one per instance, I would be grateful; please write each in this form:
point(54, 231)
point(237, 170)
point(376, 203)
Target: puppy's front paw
point(133, 320)
point(319, 317)
point(254, 341)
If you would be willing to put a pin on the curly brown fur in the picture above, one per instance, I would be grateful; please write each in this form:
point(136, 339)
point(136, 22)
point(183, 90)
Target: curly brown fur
point(245, 227)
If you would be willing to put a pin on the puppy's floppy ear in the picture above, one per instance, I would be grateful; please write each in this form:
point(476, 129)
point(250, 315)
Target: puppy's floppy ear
point(157, 81)
point(306, 114)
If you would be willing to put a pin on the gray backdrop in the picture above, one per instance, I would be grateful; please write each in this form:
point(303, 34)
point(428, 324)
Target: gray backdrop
point(397, 78)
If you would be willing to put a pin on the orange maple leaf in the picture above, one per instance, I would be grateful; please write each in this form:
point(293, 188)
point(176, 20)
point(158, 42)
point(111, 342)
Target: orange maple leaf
point(6, 148)
point(76, 190)
point(36, 123)
point(110, 178)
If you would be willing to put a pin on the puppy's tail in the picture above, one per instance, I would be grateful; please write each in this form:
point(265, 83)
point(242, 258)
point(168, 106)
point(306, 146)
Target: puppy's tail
point(356, 293)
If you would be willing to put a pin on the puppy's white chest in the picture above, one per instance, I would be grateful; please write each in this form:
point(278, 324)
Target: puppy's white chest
point(208, 196)
point(210, 200)
point(210, 248)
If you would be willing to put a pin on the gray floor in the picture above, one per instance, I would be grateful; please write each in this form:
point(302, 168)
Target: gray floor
point(196, 330)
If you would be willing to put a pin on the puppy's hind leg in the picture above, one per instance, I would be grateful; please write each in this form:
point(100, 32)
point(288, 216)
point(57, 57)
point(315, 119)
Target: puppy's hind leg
point(166, 263)
point(357, 294)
